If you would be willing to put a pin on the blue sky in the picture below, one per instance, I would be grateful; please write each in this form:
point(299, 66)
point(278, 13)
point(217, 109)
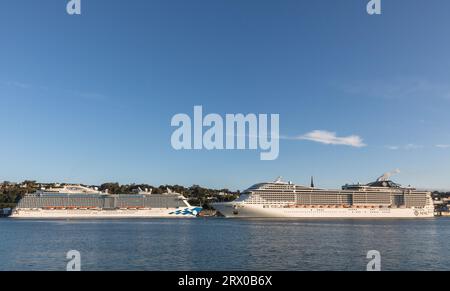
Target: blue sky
point(89, 98)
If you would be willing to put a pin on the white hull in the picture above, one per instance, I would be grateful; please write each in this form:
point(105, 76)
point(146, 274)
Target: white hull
point(188, 212)
point(259, 211)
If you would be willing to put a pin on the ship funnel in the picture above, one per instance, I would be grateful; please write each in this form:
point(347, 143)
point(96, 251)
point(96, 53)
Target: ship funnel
point(386, 176)
point(279, 180)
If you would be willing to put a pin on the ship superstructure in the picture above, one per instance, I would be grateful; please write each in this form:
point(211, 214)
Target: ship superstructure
point(75, 201)
point(380, 199)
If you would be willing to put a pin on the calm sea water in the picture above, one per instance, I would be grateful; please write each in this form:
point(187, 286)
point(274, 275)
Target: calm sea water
point(221, 244)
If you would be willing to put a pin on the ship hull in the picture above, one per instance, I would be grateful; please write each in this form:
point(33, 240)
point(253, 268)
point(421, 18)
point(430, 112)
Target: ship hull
point(233, 210)
point(188, 212)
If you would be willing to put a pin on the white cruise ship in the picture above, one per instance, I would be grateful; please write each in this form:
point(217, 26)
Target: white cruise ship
point(380, 199)
point(75, 201)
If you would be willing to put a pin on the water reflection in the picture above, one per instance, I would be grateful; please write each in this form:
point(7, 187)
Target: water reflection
point(222, 244)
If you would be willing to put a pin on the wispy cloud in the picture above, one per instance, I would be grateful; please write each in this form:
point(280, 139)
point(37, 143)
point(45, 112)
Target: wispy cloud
point(412, 146)
point(393, 148)
point(409, 146)
point(443, 146)
point(90, 96)
point(17, 84)
point(86, 95)
point(327, 137)
point(399, 88)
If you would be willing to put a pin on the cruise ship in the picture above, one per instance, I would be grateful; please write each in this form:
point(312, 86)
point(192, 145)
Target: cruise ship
point(380, 199)
point(75, 201)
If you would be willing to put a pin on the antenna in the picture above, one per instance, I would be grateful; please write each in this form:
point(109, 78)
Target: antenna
point(386, 176)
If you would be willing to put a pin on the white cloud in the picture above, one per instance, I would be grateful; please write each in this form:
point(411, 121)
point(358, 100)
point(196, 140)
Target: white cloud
point(90, 95)
point(327, 137)
point(394, 148)
point(410, 146)
point(17, 84)
point(399, 88)
point(87, 95)
point(443, 146)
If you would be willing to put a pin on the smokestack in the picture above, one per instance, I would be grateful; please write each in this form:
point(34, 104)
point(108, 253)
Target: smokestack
point(387, 175)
